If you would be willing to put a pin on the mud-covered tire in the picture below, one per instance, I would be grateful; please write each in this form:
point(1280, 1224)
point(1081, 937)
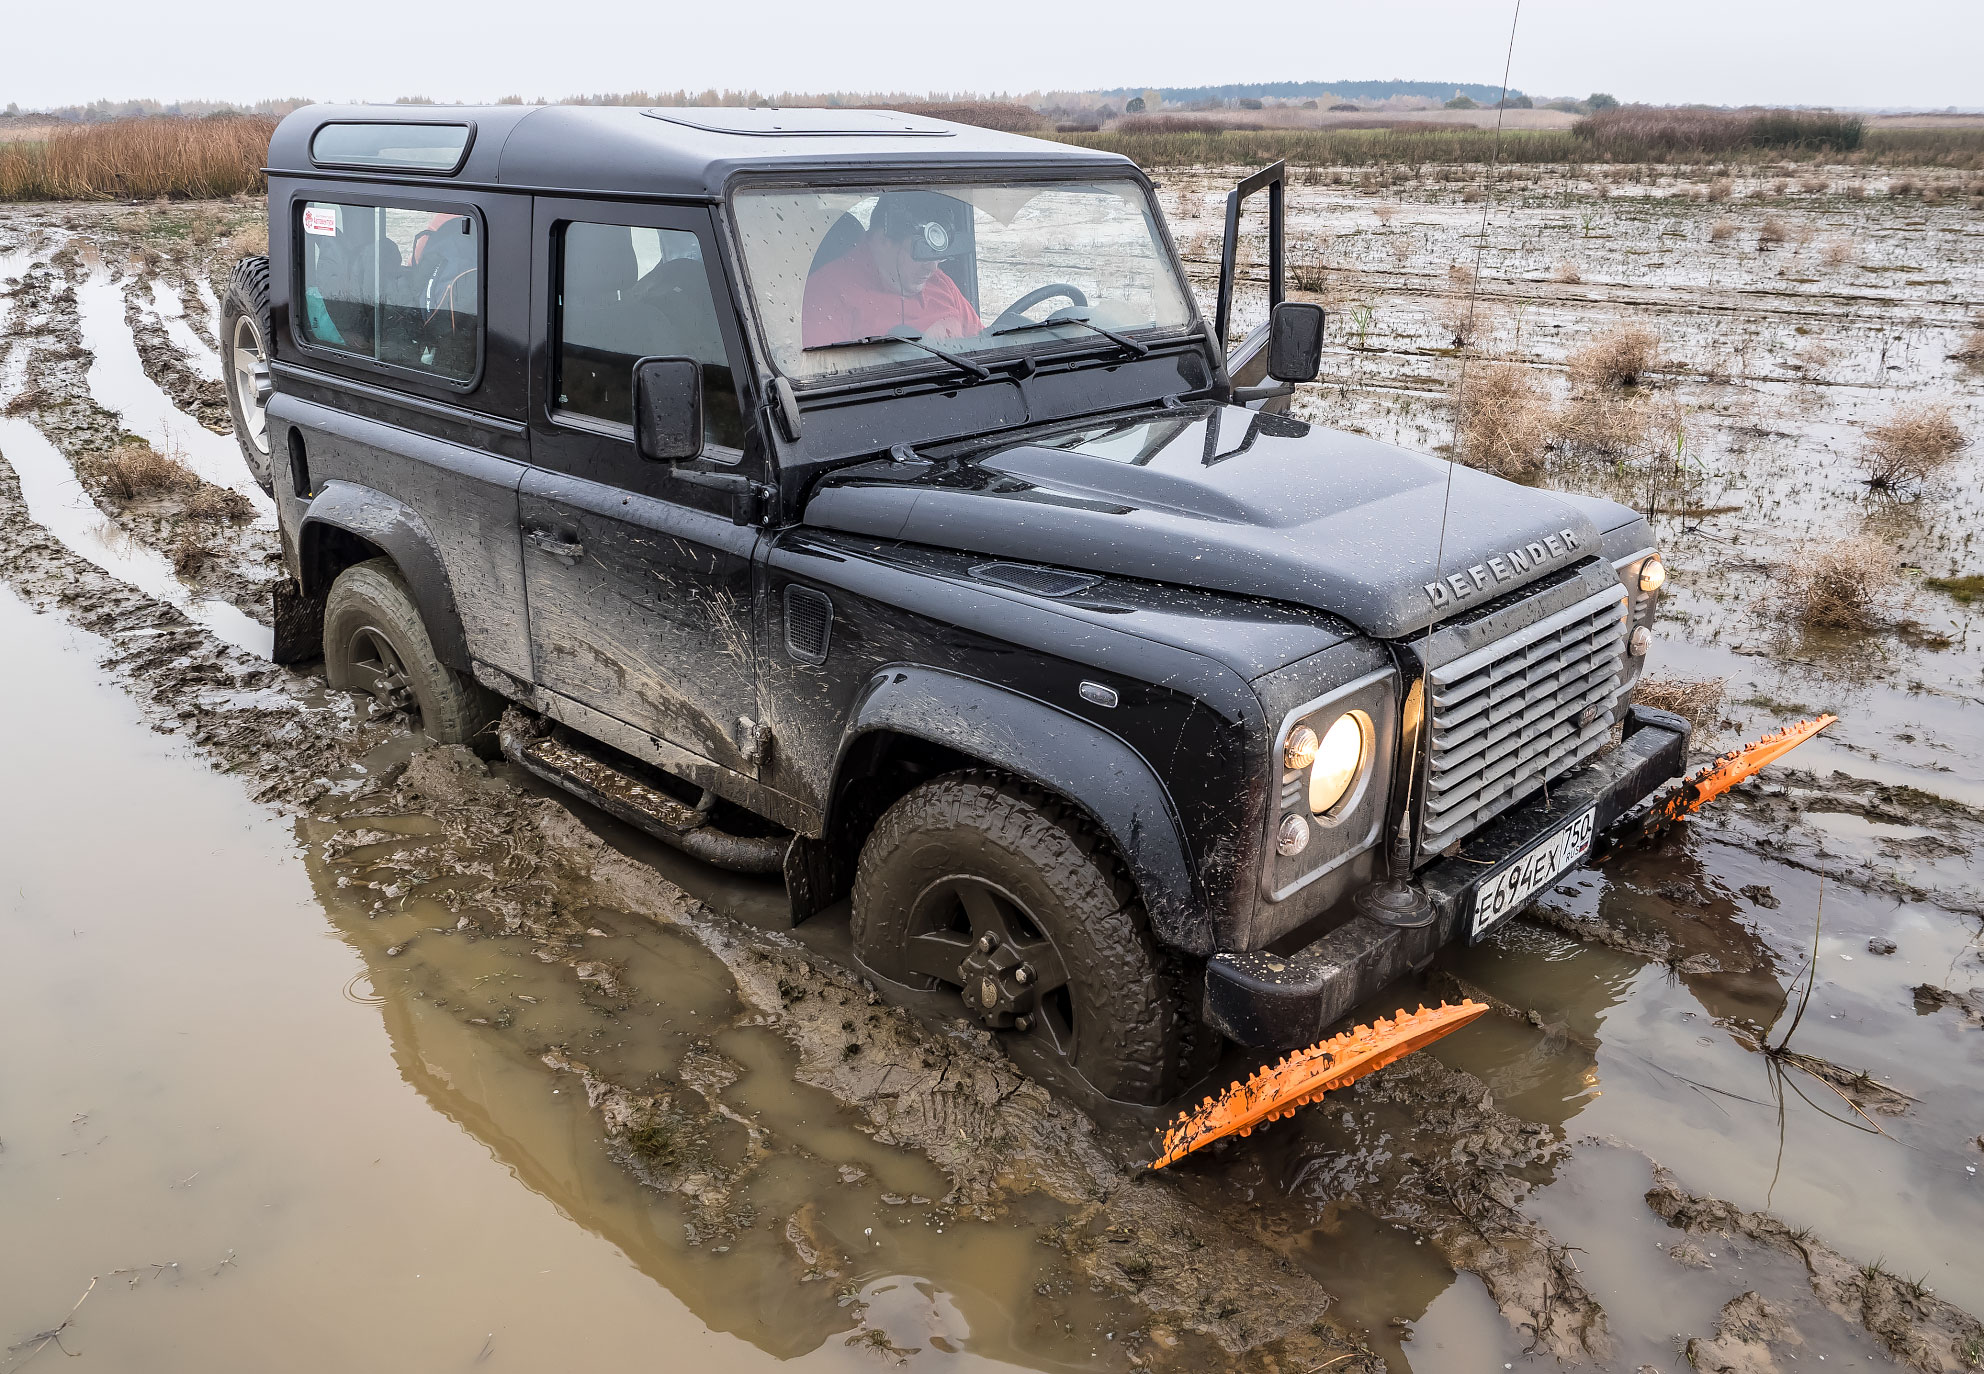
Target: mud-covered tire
point(1135, 1037)
point(244, 332)
point(373, 635)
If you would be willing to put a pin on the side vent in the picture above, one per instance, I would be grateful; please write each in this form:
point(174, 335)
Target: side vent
point(1024, 577)
point(809, 623)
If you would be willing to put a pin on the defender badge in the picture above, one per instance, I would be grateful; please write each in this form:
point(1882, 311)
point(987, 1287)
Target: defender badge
point(1501, 568)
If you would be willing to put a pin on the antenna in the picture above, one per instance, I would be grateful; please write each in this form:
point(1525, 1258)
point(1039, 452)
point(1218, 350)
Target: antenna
point(1396, 901)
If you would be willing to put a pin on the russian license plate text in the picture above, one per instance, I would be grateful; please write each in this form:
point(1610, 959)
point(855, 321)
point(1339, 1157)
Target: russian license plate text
point(1505, 892)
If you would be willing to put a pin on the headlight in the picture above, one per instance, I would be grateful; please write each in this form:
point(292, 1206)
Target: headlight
point(1339, 761)
point(1653, 574)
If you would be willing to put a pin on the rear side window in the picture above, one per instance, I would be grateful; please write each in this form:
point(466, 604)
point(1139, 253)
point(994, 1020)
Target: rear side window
point(426, 147)
point(394, 286)
point(627, 293)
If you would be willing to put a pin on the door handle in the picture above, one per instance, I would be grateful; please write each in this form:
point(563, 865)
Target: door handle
point(556, 545)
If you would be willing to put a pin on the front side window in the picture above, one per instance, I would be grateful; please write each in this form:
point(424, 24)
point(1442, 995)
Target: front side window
point(965, 267)
point(627, 293)
point(394, 286)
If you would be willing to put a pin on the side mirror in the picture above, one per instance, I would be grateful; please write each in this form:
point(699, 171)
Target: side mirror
point(668, 409)
point(1295, 342)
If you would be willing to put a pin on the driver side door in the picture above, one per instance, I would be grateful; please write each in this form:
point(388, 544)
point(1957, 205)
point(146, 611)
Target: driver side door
point(639, 583)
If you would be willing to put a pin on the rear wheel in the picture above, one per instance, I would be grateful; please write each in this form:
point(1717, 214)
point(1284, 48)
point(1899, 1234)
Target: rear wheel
point(984, 885)
point(244, 342)
point(375, 642)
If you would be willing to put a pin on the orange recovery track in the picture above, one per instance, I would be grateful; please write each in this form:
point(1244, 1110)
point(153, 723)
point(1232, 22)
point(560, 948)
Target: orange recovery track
point(1731, 768)
point(1277, 1090)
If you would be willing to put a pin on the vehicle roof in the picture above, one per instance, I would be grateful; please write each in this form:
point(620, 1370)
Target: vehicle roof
point(692, 152)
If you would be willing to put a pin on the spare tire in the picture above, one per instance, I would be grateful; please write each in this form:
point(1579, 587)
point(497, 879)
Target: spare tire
point(245, 357)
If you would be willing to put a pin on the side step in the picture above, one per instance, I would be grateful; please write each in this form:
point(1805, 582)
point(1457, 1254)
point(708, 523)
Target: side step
point(569, 765)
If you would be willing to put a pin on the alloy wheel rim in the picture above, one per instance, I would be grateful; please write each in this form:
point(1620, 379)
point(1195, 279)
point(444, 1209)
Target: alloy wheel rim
point(951, 923)
point(379, 672)
point(249, 365)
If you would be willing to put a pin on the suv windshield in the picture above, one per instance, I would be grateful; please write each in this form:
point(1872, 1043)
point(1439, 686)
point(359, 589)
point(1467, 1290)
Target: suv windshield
point(966, 267)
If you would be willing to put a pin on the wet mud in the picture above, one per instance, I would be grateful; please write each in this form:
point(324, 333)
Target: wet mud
point(643, 1043)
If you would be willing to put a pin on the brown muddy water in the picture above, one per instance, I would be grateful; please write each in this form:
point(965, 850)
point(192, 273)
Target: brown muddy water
point(323, 1051)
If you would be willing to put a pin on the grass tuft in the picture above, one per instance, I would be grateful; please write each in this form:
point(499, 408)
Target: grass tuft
point(1914, 444)
point(135, 470)
point(1696, 700)
point(1618, 358)
point(1843, 585)
point(1504, 421)
point(139, 159)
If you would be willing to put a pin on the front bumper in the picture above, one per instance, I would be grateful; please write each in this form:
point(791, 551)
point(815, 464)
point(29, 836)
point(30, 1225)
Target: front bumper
point(1282, 1001)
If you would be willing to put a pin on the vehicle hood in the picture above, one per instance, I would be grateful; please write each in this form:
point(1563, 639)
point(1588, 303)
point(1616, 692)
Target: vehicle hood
point(1235, 500)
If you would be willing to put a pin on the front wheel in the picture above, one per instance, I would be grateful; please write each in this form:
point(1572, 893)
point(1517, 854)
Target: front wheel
point(979, 883)
point(375, 642)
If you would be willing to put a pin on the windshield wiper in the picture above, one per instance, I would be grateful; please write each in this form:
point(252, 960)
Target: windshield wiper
point(904, 334)
point(1074, 314)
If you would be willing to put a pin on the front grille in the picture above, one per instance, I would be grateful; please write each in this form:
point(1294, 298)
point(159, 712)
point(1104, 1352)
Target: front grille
point(1516, 713)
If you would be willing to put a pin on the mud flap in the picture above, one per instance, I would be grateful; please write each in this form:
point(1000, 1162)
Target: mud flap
point(299, 623)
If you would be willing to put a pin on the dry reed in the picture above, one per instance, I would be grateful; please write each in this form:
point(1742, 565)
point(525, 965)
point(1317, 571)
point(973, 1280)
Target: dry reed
point(1722, 231)
point(141, 159)
point(1771, 235)
point(1567, 273)
point(1971, 350)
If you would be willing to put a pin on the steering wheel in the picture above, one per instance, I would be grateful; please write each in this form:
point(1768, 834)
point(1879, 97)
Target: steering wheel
point(1013, 313)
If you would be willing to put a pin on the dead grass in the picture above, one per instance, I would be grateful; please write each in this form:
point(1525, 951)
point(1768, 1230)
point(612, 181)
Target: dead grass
point(1567, 273)
point(1696, 700)
point(218, 503)
point(190, 554)
point(135, 470)
point(29, 398)
point(1816, 358)
point(1618, 358)
point(1610, 424)
point(1720, 189)
point(1722, 231)
point(1460, 315)
point(1384, 213)
point(144, 159)
point(250, 241)
point(1771, 235)
point(1915, 443)
point(1971, 350)
point(1504, 420)
point(1847, 584)
point(1837, 252)
point(1814, 186)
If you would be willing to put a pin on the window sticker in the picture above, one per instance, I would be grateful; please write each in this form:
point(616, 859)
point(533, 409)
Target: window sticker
point(320, 219)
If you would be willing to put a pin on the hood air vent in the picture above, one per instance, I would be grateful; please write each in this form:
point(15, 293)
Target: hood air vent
point(1025, 577)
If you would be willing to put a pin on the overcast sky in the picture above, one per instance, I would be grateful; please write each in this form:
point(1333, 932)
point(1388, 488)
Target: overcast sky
point(1911, 53)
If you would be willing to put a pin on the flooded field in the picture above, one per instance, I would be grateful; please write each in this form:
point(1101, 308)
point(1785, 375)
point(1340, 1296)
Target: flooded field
point(328, 1050)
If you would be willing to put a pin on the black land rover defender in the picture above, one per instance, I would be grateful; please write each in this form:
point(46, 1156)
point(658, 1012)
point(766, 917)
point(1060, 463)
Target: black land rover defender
point(861, 498)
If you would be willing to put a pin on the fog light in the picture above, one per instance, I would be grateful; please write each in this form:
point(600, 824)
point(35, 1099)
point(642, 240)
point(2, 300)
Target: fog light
point(1293, 836)
point(1339, 760)
point(1641, 641)
point(1653, 574)
point(1300, 751)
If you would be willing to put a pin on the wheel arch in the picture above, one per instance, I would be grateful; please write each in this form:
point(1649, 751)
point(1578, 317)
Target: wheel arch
point(913, 723)
point(346, 524)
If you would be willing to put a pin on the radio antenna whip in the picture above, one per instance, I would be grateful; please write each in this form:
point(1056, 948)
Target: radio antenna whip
point(1402, 847)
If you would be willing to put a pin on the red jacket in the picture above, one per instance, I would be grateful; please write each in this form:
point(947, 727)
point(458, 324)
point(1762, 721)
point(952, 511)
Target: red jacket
point(847, 299)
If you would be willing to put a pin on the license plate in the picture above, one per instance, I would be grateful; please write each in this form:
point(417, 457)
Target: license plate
point(1504, 892)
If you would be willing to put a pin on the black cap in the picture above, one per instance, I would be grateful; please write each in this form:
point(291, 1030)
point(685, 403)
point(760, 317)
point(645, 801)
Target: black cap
point(928, 219)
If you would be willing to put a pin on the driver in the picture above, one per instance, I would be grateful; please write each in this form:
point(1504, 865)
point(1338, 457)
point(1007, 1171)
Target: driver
point(892, 277)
